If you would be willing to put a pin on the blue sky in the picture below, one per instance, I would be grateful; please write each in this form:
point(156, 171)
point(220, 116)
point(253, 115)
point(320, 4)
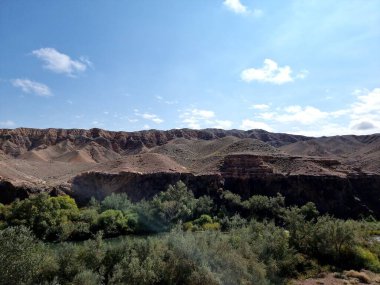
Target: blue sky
point(305, 67)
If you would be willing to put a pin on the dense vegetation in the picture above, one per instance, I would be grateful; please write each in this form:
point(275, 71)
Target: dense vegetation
point(176, 238)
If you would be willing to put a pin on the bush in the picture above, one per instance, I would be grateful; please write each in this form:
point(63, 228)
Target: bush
point(50, 218)
point(235, 222)
point(264, 207)
point(211, 256)
point(211, 226)
point(119, 202)
point(204, 219)
point(203, 205)
point(87, 277)
point(112, 223)
point(366, 259)
point(20, 256)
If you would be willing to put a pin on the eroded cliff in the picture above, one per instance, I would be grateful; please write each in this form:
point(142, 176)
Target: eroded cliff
point(95, 163)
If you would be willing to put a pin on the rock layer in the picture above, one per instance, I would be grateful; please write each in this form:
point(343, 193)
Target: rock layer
point(340, 174)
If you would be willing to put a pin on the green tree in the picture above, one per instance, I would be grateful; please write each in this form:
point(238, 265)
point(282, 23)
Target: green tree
point(113, 222)
point(116, 202)
point(50, 218)
point(20, 256)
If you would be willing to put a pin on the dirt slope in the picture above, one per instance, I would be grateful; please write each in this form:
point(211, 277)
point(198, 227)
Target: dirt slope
point(357, 151)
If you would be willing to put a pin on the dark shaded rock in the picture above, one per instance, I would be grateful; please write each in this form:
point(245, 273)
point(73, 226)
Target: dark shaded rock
point(139, 186)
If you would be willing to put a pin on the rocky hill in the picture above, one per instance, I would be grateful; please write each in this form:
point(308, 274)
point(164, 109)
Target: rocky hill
point(341, 174)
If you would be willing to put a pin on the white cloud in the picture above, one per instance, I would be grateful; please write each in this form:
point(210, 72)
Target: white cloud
point(97, 124)
point(147, 116)
point(260, 106)
point(365, 111)
point(305, 116)
point(236, 6)
point(266, 115)
point(204, 114)
point(368, 103)
point(200, 118)
point(29, 86)
point(271, 73)
point(60, 62)
point(248, 124)
point(7, 124)
point(360, 91)
point(154, 118)
point(146, 127)
point(222, 124)
point(361, 117)
point(340, 113)
point(326, 129)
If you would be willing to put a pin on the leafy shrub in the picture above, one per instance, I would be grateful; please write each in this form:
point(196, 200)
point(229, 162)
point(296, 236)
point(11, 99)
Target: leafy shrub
point(211, 226)
point(112, 222)
point(260, 206)
point(203, 205)
point(235, 222)
point(87, 277)
point(50, 218)
point(167, 208)
point(367, 259)
point(119, 202)
point(203, 219)
point(188, 226)
point(20, 256)
point(210, 255)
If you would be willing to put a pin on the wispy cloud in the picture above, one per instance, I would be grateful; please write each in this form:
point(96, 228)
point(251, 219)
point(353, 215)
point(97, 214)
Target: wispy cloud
point(97, 124)
point(222, 124)
point(260, 106)
point(271, 72)
point(61, 63)
point(248, 124)
point(29, 86)
point(361, 117)
point(365, 111)
point(235, 6)
point(162, 99)
point(201, 118)
point(303, 115)
point(148, 116)
point(295, 114)
point(7, 124)
point(152, 117)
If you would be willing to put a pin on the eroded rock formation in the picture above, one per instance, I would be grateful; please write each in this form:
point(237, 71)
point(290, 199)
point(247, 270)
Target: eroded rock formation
point(340, 174)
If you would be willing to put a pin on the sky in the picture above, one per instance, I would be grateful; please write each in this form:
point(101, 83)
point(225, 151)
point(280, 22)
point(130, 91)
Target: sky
point(294, 66)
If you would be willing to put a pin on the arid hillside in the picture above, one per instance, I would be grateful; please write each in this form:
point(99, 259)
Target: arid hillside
point(332, 171)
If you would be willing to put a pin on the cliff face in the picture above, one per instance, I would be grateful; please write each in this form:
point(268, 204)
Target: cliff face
point(334, 188)
point(87, 163)
point(138, 185)
point(340, 196)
